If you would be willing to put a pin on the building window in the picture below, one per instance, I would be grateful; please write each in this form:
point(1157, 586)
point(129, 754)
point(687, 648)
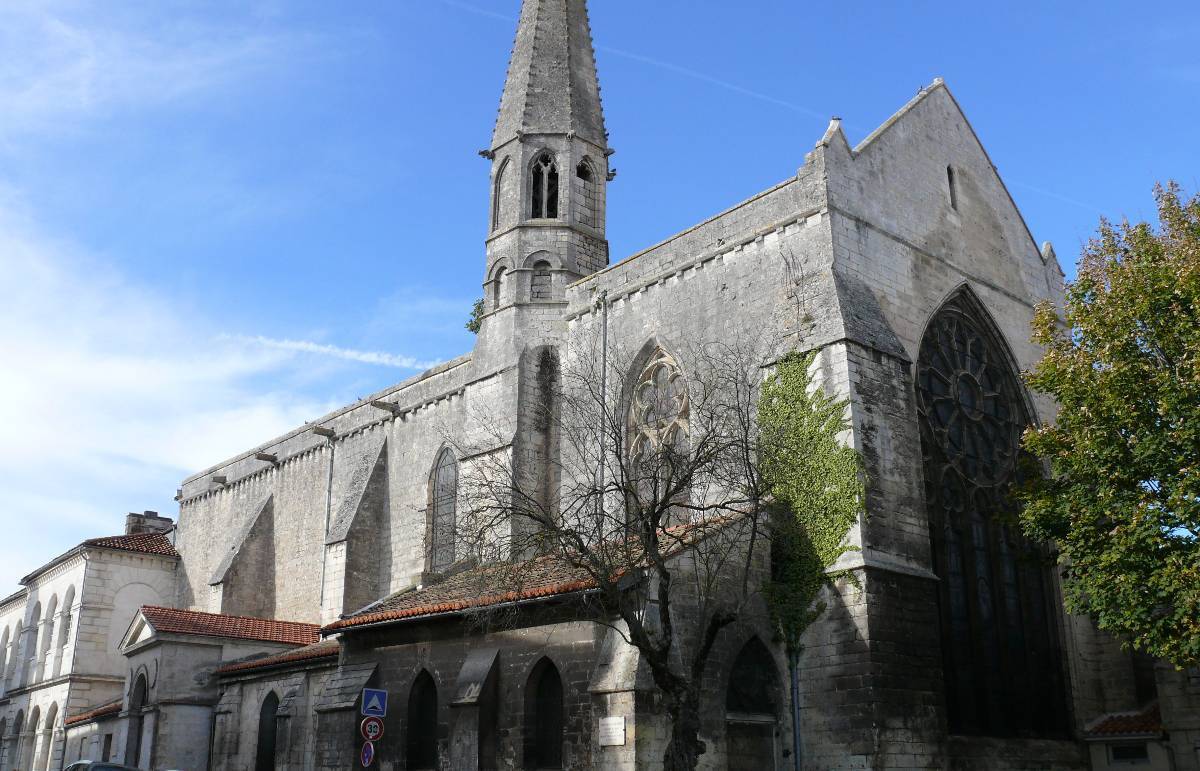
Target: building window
point(750, 709)
point(498, 288)
point(265, 753)
point(1000, 650)
point(658, 425)
point(544, 717)
point(952, 188)
point(498, 195)
point(1136, 753)
point(106, 755)
point(422, 744)
point(545, 188)
point(444, 496)
point(541, 285)
point(586, 203)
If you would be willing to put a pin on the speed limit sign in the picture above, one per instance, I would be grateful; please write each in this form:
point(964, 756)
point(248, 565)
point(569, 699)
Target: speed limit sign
point(371, 729)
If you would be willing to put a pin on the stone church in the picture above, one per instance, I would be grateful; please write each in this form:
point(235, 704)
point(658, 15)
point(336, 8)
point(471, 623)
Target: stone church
point(324, 561)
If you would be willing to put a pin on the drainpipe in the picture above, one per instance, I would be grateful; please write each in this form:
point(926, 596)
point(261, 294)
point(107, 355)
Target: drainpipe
point(797, 746)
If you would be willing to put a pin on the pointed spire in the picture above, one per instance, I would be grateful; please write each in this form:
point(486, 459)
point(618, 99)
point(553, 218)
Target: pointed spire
point(552, 85)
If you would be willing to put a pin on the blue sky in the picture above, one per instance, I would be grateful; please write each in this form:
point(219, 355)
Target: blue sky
point(220, 219)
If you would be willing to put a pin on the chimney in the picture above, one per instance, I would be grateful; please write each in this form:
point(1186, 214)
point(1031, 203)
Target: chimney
point(147, 522)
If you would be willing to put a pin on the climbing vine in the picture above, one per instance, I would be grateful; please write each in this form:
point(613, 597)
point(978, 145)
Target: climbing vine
point(817, 485)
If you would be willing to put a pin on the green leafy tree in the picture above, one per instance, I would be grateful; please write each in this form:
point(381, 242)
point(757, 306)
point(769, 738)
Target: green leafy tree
point(476, 319)
point(1122, 499)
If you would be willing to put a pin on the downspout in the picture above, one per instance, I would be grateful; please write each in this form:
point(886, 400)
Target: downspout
point(797, 745)
point(603, 402)
point(328, 508)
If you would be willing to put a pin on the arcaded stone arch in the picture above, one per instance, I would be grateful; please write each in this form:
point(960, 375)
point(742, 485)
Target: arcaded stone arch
point(46, 743)
point(997, 607)
point(753, 705)
point(138, 697)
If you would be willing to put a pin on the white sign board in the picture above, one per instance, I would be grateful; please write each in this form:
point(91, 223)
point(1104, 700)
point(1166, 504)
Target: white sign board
point(612, 731)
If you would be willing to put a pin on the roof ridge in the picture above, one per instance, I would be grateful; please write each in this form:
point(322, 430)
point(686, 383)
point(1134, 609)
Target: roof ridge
point(226, 615)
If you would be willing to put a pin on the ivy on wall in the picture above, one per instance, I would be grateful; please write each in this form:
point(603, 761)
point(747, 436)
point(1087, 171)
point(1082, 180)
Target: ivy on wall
point(817, 484)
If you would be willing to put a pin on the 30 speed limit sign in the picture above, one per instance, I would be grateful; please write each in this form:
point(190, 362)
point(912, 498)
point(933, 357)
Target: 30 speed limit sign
point(371, 729)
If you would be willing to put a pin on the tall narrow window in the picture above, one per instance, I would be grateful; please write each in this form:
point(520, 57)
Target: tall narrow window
point(1000, 651)
point(658, 427)
point(540, 286)
point(498, 195)
point(422, 744)
point(18, 741)
point(586, 204)
point(498, 288)
point(265, 750)
point(545, 188)
point(43, 759)
point(3, 663)
point(444, 497)
point(544, 717)
point(952, 188)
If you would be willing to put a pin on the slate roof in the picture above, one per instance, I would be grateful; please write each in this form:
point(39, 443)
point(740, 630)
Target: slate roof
point(174, 621)
point(539, 577)
point(146, 543)
point(327, 649)
point(1144, 722)
point(104, 710)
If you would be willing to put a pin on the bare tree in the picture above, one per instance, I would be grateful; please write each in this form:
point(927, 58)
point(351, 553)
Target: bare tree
point(642, 479)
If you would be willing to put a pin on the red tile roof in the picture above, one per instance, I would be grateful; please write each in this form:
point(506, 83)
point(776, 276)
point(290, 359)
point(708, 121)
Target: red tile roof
point(173, 621)
point(1145, 722)
point(146, 543)
point(327, 649)
point(111, 708)
point(540, 577)
point(537, 578)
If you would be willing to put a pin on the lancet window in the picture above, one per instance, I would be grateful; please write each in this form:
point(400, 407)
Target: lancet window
point(545, 188)
point(1001, 659)
point(443, 495)
point(658, 411)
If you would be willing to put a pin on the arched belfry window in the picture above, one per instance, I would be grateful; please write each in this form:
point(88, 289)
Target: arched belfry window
point(585, 197)
point(545, 188)
point(999, 645)
point(422, 745)
point(443, 498)
point(498, 195)
point(544, 717)
point(265, 750)
point(498, 287)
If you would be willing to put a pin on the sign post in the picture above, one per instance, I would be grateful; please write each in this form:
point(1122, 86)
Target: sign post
point(374, 702)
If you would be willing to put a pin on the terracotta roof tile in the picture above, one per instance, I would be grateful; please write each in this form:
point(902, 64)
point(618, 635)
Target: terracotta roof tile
point(537, 578)
point(146, 543)
point(174, 621)
point(327, 649)
point(540, 577)
point(1147, 721)
point(104, 710)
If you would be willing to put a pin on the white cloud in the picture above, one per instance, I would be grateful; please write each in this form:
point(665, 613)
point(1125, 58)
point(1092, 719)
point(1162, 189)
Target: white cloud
point(111, 392)
point(349, 354)
point(64, 63)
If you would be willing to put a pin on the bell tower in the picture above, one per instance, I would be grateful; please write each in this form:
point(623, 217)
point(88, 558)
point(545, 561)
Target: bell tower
point(549, 156)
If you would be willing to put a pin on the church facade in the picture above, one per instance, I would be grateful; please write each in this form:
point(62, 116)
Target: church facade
point(324, 562)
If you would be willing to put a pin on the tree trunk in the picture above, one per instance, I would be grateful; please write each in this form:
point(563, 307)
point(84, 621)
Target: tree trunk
point(685, 748)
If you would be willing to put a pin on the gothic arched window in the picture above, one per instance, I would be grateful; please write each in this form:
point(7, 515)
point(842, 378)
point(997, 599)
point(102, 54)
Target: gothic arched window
point(265, 749)
point(422, 747)
point(586, 203)
point(498, 195)
point(658, 423)
point(498, 288)
point(443, 495)
point(541, 285)
point(545, 188)
point(999, 646)
point(544, 717)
